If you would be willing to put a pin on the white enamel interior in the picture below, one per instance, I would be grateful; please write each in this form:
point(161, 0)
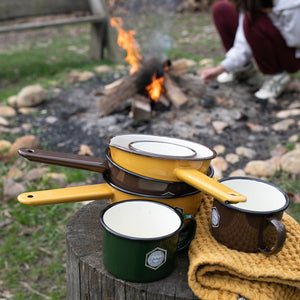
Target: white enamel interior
point(123, 141)
point(140, 219)
point(165, 149)
point(261, 197)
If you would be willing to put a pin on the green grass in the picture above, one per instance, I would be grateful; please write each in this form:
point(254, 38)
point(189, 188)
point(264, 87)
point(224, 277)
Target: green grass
point(46, 61)
point(32, 250)
point(290, 184)
point(32, 241)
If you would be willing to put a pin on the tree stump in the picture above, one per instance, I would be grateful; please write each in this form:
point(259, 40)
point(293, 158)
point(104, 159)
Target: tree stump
point(87, 278)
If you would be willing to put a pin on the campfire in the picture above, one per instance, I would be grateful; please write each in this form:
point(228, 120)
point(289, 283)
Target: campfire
point(149, 81)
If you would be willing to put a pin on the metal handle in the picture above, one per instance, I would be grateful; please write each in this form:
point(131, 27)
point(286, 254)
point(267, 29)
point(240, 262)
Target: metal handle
point(66, 195)
point(65, 159)
point(208, 185)
point(191, 232)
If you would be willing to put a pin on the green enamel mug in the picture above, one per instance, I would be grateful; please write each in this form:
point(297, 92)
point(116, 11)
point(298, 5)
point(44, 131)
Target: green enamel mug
point(141, 239)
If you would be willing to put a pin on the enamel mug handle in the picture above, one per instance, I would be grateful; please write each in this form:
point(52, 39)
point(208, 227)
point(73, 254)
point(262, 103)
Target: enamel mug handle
point(190, 234)
point(280, 237)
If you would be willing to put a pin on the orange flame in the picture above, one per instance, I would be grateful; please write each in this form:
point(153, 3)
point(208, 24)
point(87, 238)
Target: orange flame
point(155, 88)
point(128, 43)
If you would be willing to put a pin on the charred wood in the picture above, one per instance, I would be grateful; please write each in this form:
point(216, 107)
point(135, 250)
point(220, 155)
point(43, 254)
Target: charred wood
point(130, 86)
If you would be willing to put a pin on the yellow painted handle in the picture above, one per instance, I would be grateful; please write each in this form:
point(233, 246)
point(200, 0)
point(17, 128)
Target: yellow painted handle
point(65, 195)
point(208, 185)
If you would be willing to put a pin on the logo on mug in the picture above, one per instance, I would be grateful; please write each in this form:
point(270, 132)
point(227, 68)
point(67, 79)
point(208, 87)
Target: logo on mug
point(215, 217)
point(156, 258)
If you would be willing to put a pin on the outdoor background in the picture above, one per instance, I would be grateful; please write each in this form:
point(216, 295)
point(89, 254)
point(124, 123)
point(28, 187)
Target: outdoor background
point(32, 245)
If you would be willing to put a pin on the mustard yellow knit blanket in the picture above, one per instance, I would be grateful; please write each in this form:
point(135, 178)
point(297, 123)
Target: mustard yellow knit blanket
point(217, 272)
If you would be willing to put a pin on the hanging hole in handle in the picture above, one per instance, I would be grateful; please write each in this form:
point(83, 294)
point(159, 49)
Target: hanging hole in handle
point(30, 150)
point(233, 194)
point(30, 196)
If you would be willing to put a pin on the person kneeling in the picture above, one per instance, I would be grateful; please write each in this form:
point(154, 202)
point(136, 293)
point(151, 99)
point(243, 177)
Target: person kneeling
point(266, 31)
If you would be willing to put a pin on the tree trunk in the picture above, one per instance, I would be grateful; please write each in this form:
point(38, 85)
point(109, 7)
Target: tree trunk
point(87, 278)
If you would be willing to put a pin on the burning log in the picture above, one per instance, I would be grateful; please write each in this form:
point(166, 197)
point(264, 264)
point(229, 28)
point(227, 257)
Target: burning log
point(164, 100)
point(131, 85)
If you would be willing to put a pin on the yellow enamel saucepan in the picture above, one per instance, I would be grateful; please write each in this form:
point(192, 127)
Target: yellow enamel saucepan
point(173, 159)
point(189, 203)
point(116, 175)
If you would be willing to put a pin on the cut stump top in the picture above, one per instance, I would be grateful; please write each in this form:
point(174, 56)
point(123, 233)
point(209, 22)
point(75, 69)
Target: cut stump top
point(87, 277)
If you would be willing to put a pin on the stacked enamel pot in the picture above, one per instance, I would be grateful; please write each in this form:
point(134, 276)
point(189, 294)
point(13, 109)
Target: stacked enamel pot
point(168, 170)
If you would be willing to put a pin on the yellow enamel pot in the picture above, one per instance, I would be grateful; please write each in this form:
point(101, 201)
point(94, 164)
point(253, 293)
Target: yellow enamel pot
point(173, 159)
point(188, 203)
point(158, 156)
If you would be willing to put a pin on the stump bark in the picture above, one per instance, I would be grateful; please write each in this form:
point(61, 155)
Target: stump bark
point(87, 278)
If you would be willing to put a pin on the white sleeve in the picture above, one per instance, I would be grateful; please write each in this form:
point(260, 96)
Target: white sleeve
point(240, 53)
point(288, 23)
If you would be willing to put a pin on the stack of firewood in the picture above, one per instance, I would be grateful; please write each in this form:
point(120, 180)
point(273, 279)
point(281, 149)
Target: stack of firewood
point(178, 84)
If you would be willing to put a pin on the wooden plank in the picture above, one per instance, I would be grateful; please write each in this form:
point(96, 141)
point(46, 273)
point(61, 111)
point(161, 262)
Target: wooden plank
point(103, 38)
point(98, 40)
point(44, 24)
point(10, 9)
point(97, 7)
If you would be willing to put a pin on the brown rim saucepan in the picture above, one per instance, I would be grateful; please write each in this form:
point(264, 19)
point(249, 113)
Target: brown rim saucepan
point(117, 175)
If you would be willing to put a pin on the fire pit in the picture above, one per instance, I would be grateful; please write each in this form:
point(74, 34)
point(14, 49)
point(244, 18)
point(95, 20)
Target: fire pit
point(150, 80)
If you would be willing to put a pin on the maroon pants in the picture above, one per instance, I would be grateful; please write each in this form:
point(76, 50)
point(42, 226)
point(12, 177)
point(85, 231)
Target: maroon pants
point(269, 49)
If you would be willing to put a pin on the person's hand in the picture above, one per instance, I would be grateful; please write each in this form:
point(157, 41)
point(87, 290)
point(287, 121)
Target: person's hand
point(211, 73)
